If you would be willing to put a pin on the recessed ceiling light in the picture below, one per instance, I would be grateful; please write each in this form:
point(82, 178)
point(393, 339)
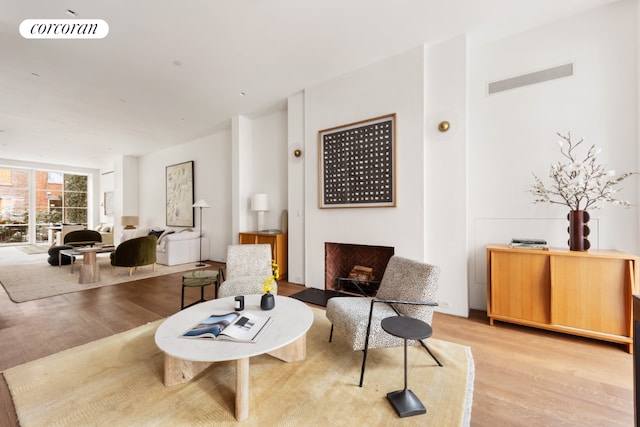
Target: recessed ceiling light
point(70, 12)
point(243, 94)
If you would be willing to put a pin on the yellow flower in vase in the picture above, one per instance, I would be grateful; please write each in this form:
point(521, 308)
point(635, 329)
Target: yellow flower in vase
point(267, 284)
point(267, 302)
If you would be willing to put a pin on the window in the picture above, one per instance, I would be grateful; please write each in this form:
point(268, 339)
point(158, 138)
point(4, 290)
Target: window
point(55, 178)
point(5, 177)
point(75, 199)
point(59, 197)
point(14, 205)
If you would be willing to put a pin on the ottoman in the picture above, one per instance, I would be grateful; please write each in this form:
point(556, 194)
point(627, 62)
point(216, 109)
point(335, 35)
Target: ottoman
point(53, 255)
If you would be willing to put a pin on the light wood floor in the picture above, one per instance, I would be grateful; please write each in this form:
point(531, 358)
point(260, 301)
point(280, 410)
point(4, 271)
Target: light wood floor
point(523, 377)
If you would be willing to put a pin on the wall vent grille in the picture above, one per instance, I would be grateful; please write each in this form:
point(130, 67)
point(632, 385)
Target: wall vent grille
point(560, 71)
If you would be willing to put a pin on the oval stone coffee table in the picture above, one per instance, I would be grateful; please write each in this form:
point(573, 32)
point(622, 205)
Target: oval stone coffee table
point(284, 338)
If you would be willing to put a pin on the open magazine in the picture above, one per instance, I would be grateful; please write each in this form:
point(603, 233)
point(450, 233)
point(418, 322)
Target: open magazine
point(234, 326)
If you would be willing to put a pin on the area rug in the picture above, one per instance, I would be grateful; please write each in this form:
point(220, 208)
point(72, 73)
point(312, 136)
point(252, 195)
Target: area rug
point(34, 249)
point(118, 381)
point(26, 282)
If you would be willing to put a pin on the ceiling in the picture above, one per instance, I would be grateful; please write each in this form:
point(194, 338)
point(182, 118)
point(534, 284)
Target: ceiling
point(170, 71)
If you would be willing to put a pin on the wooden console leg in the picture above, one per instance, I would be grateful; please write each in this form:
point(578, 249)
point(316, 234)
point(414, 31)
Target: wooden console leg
point(242, 389)
point(178, 371)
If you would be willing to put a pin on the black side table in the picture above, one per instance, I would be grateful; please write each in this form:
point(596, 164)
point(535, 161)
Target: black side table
point(405, 402)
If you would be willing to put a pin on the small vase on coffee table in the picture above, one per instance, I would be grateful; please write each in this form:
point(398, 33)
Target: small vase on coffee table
point(267, 302)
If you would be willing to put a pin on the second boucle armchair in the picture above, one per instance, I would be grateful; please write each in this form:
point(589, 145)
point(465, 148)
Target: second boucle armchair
point(247, 266)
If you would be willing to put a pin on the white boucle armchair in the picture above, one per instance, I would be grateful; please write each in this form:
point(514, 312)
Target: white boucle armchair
point(408, 288)
point(247, 266)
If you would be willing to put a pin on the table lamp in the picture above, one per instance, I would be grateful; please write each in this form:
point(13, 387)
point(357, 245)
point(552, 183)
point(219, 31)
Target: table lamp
point(129, 223)
point(260, 204)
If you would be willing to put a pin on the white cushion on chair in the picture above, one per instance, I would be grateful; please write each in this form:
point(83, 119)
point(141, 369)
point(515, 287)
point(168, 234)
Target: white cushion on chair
point(350, 316)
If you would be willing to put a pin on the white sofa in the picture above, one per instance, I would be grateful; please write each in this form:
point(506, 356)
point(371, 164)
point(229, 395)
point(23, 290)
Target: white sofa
point(181, 248)
point(106, 232)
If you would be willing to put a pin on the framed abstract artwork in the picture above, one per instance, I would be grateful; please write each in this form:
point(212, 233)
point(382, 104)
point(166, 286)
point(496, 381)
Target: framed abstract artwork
point(357, 164)
point(108, 203)
point(180, 195)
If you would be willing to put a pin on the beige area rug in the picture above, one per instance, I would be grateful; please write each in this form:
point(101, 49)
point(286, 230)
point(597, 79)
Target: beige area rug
point(26, 281)
point(118, 381)
point(34, 249)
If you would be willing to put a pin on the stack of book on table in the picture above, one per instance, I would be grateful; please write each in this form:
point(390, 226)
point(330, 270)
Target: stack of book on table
point(528, 244)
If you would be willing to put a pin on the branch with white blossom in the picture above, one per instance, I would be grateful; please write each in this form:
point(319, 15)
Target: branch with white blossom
point(579, 184)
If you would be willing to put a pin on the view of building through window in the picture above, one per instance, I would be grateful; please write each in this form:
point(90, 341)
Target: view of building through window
point(59, 198)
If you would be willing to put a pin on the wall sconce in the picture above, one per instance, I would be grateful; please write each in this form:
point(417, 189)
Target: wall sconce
point(444, 126)
point(260, 204)
point(295, 152)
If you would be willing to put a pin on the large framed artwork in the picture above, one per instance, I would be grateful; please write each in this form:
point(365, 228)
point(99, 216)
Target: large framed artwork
point(357, 164)
point(180, 195)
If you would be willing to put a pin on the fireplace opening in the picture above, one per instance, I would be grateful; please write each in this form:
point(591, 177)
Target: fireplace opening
point(364, 263)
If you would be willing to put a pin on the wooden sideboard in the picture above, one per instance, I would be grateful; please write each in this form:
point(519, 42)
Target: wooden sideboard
point(278, 242)
point(581, 293)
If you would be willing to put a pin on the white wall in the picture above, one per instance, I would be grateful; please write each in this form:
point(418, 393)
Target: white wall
point(107, 183)
point(126, 192)
point(428, 223)
point(212, 182)
point(269, 173)
point(445, 208)
point(390, 86)
point(260, 166)
point(241, 174)
point(480, 170)
point(512, 134)
point(295, 182)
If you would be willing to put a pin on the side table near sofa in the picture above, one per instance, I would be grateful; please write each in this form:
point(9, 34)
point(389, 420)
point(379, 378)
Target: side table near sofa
point(198, 278)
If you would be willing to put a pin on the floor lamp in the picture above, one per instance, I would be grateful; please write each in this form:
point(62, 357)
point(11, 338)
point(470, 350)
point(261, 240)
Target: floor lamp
point(201, 204)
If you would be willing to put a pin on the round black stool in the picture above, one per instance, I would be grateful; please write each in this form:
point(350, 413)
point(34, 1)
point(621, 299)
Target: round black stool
point(405, 402)
point(54, 257)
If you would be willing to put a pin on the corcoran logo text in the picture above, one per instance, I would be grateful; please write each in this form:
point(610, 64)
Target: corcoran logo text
point(64, 29)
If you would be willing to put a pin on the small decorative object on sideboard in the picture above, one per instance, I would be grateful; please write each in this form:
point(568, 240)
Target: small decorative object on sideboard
point(581, 185)
point(525, 243)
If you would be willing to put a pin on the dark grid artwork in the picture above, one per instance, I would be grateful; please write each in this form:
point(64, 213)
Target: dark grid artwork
point(357, 164)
